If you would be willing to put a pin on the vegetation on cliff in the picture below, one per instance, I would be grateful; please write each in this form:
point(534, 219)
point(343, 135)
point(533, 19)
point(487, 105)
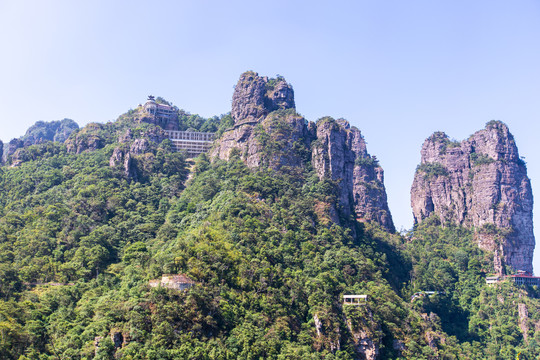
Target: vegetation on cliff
point(80, 238)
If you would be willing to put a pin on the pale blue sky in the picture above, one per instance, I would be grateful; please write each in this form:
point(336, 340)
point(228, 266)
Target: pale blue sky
point(398, 70)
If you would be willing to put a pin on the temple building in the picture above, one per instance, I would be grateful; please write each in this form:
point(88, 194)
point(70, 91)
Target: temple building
point(192, 143)
point(163, 115)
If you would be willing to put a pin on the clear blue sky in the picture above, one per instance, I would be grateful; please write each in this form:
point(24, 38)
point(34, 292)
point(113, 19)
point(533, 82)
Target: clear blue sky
point(398, 70)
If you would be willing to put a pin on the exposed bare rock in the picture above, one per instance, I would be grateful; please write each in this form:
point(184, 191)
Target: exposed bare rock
point(116, 158)
point(139, 146)
point(523, 314)
point(117, 338)
point(87, 139)
point(340, 153)
point(430, 340)
point(256, 143)
point(125, 160)
point(129, 169)
point(480, 183)
point(97, 340)
point(1, 151)
point(125, 137)
point(267, 131)
point(262, 135)
point(155, 134)
point(318, 325)
point(399, 346)
point(366, 333)
point(328, 336)
point(256, 96)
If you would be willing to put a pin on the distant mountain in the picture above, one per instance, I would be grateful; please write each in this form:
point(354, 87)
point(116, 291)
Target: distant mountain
point(276, 244)
point(41, 132)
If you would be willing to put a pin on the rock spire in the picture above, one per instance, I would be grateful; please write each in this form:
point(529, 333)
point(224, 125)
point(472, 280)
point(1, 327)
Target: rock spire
point(479, 183)
point(268, 131)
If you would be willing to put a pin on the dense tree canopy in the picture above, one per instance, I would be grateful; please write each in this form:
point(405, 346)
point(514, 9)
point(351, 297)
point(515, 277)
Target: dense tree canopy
point(81, 238)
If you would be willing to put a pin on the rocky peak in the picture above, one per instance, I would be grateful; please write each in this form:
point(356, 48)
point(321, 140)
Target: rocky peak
point(267, 131)
point(255, 96)
point(481, 183)
point(340, 153)
point(43, 131)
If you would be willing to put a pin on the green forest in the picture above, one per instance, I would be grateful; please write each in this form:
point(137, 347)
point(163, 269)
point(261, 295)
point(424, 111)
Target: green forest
point(80, 239)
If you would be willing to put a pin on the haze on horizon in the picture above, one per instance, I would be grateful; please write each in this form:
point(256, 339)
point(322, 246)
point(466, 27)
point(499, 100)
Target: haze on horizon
point(397, 70)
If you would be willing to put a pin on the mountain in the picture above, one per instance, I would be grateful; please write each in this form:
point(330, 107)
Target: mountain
point(267, 131)
point(114, 246)
point(479, 183)
point(42, 132)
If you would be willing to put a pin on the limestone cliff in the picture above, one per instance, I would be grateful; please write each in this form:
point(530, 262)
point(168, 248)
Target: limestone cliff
point(268, 131)
point(482, 183)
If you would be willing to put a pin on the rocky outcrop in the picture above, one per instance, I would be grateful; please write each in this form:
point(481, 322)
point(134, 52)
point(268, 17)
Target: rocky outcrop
point(365, 332)
point(89, 138)
point(340, 153)
point(328, 335)
point(262, 135)
point(42, 132)
point(479, 183)
point(139, 146)
point(523, 314)
point(13, 145)
point(256, 96)
point(119, 158)
point(125, 155)
point(267, 131)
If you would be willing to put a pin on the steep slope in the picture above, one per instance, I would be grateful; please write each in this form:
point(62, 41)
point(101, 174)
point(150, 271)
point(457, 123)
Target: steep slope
point(480, 183)
point(87, 225)
point(268, 131)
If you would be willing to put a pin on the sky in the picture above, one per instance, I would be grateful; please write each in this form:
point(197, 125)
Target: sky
point(398, 70)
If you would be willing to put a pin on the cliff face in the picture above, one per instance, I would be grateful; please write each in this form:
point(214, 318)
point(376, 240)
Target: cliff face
point(340, 153)
point(267, 131)
point(480, 182)
point(262, 135)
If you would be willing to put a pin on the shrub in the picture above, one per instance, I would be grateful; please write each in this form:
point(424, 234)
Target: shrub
point(432, 169)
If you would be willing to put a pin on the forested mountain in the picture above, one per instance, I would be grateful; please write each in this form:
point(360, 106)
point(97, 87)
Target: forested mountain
point(42, 132)
point(272, 227)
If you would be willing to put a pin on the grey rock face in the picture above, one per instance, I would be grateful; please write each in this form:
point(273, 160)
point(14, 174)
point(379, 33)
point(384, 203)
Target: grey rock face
point(139, 146)
point(268, 132)
point(256, 96)
point(340, 153)
point(480, 183)
point(116, 158)
point(249, 140)
point(87, 139)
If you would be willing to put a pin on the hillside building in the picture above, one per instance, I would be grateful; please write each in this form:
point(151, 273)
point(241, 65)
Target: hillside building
point(173, 281)
point(163, 115)
point(191, 142)
point(521, 278)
